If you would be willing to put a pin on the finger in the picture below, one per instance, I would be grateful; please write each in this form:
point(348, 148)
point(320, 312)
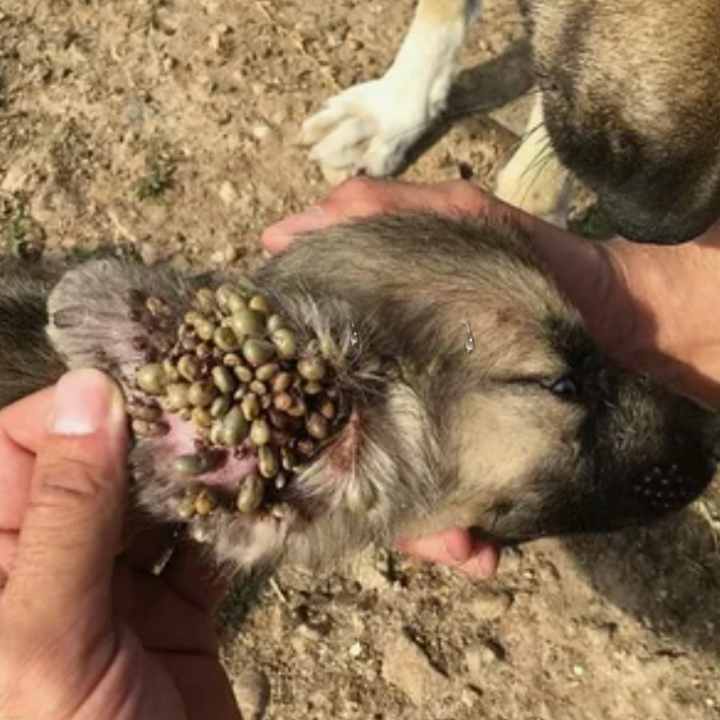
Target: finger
point(19, 421)
point(585, 270)
point(20, 434)
point(204, 686)
point(8, 548)
point(365, 197)
point(278, 237)
point(483, 562)
point(456, 549)
point(68, 540)
point(15, 473)
point(190, 574)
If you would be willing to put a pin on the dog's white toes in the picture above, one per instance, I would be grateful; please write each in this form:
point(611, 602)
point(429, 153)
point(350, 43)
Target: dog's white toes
point(317, 126)
point(366, 129)
point(384, 157)
point(345, 143)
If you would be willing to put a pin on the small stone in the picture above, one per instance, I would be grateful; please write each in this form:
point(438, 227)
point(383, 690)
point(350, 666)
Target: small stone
point(578, 671)
point(469, 696)
point(407, 667)
point(227, 192)
point(230, 254)
point(149, 254)
point(260, 131)
point(356, 650)
point(218, 38)
point(479, 656)
point(489, 605)
point(252, 693)
point(369, 576)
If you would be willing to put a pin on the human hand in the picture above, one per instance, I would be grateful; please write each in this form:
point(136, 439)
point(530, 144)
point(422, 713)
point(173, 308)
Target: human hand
point(87, 632)
point(651, 307)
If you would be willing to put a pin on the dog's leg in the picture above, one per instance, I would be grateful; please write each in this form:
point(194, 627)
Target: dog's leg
point(369, 127)
point(534, 179)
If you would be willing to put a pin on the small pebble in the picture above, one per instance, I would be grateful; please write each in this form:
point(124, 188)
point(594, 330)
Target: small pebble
point(252, 693)
point(489, 605)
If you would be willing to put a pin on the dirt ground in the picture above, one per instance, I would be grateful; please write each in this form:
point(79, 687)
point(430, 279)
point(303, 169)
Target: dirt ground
point(166, 128)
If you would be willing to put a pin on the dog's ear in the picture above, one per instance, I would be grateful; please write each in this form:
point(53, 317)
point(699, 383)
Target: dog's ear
point(114, 315)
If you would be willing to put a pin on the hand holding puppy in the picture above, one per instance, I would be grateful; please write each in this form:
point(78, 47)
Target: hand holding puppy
point(649, 306)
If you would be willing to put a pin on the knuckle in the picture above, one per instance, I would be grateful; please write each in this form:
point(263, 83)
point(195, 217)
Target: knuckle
point(465, 196)
point(67, 482)
point(361, 191)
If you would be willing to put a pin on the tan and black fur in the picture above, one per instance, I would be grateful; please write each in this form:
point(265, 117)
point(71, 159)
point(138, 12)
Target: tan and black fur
point(533, 433)
point(628, 102)
point(631, 98)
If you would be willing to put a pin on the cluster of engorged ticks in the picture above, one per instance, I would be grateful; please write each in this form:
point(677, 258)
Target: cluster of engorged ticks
point(236, 372)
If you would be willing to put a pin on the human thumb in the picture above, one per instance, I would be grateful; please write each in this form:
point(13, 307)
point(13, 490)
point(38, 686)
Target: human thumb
point(63, 568)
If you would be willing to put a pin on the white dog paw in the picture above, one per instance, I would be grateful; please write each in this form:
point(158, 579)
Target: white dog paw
point(367, 129)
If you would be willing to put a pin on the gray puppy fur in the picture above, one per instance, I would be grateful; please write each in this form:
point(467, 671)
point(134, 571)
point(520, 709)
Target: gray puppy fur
point(533, 433)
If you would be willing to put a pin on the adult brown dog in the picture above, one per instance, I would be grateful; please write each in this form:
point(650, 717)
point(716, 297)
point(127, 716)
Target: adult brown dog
point(629, 101)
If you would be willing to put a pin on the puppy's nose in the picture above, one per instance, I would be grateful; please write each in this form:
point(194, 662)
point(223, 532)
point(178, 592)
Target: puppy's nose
point(671, 486)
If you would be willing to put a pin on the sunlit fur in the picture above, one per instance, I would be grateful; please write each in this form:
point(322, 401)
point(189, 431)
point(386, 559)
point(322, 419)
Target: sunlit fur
point(436, 436)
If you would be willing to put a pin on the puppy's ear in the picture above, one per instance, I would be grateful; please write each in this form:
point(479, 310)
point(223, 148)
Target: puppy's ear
point(113, 315)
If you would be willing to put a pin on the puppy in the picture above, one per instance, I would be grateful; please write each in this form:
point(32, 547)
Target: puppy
point(465, 391)
point(629, 101)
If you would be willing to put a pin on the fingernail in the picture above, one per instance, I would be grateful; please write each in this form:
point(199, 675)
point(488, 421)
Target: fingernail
point(85, 402)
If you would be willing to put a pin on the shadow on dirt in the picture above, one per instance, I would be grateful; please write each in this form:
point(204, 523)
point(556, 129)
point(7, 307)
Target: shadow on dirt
point(480, 90)
point(667, 576)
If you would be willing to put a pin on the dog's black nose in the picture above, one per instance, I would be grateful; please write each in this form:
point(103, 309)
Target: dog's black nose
point(664, 224)
point(670, 487)
point(680, 477)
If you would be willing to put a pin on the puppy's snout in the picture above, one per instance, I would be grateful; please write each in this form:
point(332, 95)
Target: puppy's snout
point(685, 468)
point(657, 454)
point(671, 486)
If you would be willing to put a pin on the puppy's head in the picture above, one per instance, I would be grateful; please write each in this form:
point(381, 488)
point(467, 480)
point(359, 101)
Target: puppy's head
point(631, 93)
point(559, 439)
point(533, 432)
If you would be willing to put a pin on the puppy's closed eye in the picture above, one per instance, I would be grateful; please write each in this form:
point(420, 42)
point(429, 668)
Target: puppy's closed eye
point(564, 387)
